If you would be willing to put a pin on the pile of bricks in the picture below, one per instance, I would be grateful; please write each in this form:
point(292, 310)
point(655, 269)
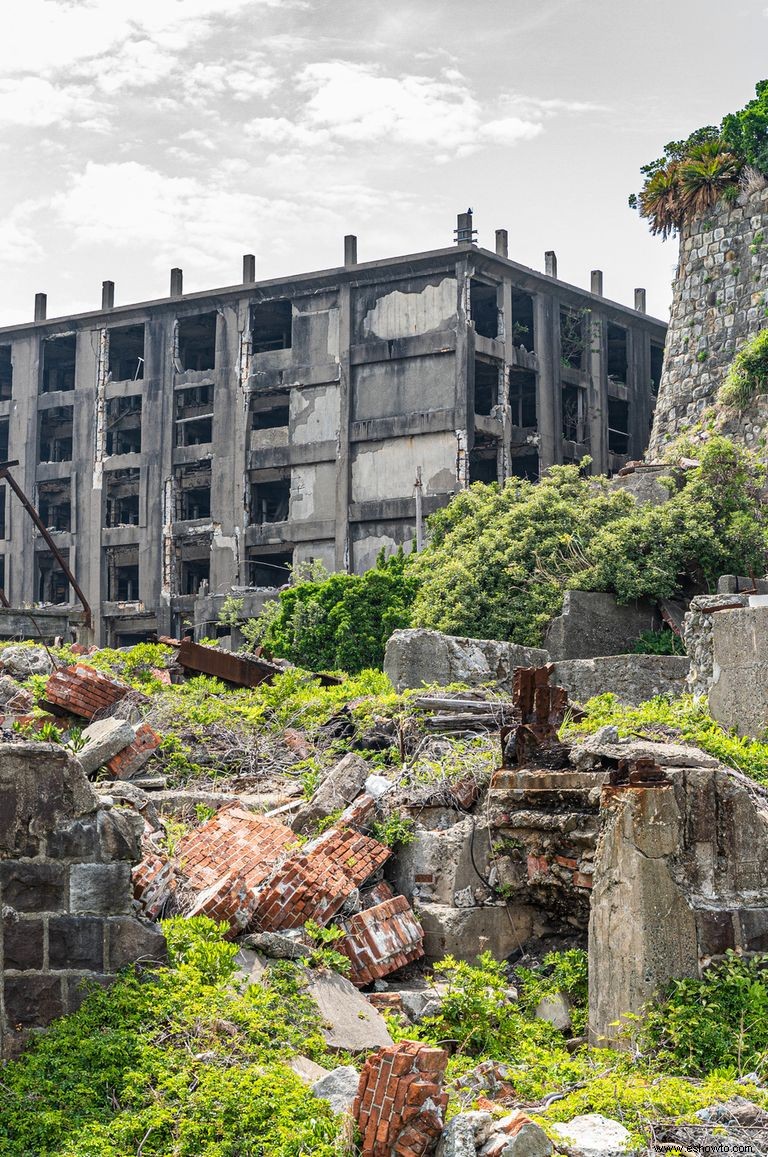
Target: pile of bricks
point(381, 940)
point(80, 690)
point(133, 757)
point(154, 883)
point(315, 884)
point(400, 1103)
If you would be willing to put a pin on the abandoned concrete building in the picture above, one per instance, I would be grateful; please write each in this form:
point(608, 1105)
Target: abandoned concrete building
point(186, 446)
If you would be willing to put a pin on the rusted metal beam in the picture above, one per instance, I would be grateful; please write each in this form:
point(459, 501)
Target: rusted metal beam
point(5, 473)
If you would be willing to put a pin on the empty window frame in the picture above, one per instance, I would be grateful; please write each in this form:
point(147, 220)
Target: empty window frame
point(523, 333)
point(194, 564)
point(3, 575)
point(193, 492)
point(51, 583)
point(574, 413)
point(270, 496)
point(483, 308)
point(618, 426)
point(271, 326)
point(6, 373)
point(121, 491)
point(617, 362)
point(522, 398)
point(59, 357)
point(484, 461)
point(122, 563)
point(194, 416)
point(4, 428)
point(525, 466)
point(55, 436)
point(657, 365)
point(197, 341)
point(265, 569)
point(573, 338)
point(486, 385)
point(54, 503)
point(3, 500)
point(124, 425)
point(269, 411)
point(126, 353)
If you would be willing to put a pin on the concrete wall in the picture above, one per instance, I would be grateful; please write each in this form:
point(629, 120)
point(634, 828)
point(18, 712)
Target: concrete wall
point(380, 379)
point(738, 696)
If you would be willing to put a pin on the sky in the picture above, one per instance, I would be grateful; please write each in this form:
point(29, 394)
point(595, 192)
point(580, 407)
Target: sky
point(137, 135)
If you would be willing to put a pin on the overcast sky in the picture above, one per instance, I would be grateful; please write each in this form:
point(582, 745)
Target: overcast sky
point(141, 134)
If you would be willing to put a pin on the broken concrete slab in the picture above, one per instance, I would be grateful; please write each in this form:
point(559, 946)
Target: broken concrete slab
point(339, 1088)
point(592, 1135)
point(338, 788)
point(307, 1070)
point(418, 658)
point(22, 662)
point(276, 945)
point(593, 623)
point(465, 1134)
point(632, 679)
point(467, 932)
point(103, 740)
point(349, 1022)
point(596, 752)
point(249, 966)
point(556, 1010)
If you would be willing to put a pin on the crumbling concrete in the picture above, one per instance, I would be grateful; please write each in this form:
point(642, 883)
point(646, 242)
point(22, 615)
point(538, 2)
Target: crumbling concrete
point(103, 740)
point(349, 1023)
point(738, 696)
point(65, 889)
point(631, 678)
point(680, 875)
point(415, 658)
point(593, 623)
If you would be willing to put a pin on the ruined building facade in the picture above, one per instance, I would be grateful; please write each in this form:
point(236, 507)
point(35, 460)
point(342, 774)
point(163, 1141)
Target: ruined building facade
point(207, 441)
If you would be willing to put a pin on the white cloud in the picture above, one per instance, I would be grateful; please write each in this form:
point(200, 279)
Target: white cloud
point(18, 244)
point(36, 103)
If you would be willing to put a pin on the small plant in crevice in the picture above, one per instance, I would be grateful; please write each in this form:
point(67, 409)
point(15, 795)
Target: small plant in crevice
point(322, 954)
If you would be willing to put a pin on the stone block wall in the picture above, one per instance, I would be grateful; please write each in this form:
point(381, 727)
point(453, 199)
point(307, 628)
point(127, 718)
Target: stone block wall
point(719, 302)
point(65, 889)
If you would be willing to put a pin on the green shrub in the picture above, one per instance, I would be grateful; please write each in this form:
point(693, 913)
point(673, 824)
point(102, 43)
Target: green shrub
point(716, 1023)
point(343, 622)
point(173, 1062)
point(499, 560)
point(559, 972)
point(663, 642)
point(748, 374)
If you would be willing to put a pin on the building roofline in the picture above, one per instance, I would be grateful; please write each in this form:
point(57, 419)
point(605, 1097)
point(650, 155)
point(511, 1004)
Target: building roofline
point(314, 280)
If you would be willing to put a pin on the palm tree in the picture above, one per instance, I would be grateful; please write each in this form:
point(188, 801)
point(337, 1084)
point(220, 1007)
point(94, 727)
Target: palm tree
point(707, 171)
point(661, 200)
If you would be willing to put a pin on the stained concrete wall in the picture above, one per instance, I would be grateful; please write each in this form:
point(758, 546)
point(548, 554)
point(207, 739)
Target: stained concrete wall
point(379, 379)
point(738, 696)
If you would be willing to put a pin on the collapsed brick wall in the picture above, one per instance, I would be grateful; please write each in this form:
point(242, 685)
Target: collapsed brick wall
point(400, 1104)
point(79, 690)
point(382, 939)
point(133, 757)
point(65, 890)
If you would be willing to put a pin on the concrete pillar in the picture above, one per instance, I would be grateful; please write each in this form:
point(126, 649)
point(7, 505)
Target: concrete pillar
point(177, 283)
point(550, 263)
point(640, 300)
point(642, 933)
point(502, 243)
point(41, 306)
point(597, 397)
point(546, 325)
point(596, 282)
point(464, 233)
point(249, 269)
point(350, 249)
point(107, 295)
point(342, 558)
point(638, 378)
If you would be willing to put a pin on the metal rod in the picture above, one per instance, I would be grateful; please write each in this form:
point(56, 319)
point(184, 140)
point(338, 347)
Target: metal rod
point(6, 474)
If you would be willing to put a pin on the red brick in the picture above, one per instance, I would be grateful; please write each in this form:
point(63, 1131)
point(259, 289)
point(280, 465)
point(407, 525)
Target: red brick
point(397, 1121)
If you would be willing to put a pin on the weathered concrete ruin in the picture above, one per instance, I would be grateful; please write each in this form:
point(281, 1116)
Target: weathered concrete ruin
point(339, 407)
point(65, 889)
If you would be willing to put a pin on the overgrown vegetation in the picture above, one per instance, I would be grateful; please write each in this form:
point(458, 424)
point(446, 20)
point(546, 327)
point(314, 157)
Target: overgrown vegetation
point(341, 622)
point(693, 174)
point(499, 560)
point(748, 373)
point(686, 719)
point(174, 1061)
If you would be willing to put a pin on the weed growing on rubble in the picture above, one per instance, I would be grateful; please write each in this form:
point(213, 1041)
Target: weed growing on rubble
point(685, 719)
point(395, 831)
point(174, 1061)
point(559, 972)
point(323, 954)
